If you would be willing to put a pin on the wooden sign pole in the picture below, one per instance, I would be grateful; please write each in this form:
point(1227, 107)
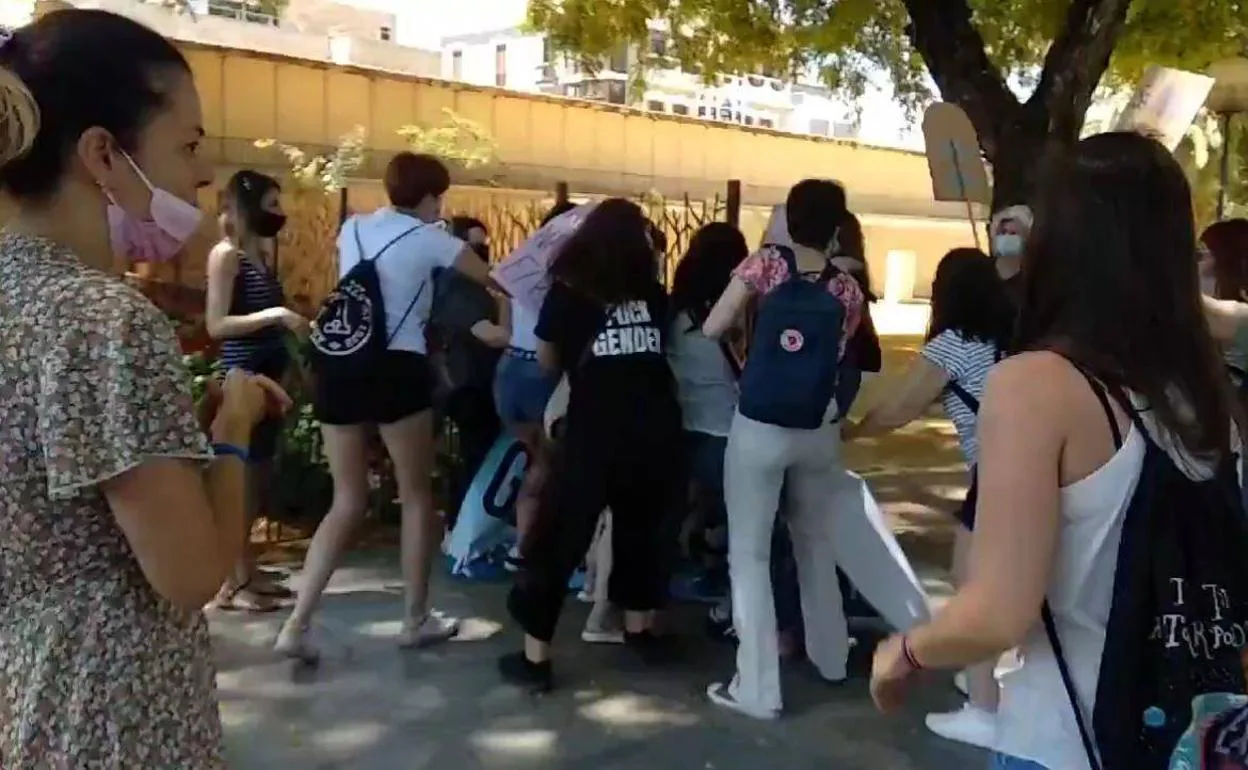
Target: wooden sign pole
point(970, 213)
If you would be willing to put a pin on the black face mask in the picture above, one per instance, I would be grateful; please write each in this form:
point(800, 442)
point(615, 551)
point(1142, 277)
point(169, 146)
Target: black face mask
point(482, 249)
point(267, 224)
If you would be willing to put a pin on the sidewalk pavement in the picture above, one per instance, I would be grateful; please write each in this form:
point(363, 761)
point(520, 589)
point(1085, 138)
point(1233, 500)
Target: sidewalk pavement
point(370, 706)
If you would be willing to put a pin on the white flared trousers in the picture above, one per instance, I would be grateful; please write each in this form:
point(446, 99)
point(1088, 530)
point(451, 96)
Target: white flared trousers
point(760, 459)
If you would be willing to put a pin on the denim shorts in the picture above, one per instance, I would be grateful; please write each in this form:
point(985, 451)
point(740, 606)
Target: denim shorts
point(1006, 762)
point(521, 388)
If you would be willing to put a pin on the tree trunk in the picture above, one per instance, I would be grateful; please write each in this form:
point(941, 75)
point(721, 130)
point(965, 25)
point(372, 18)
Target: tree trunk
point(1018, 139)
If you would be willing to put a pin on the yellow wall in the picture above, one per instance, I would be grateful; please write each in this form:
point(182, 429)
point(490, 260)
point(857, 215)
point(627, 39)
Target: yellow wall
point(596, 148)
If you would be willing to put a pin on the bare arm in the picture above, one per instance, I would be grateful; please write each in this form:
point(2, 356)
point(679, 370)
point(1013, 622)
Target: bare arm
point(1021, 439)
point(186, 528)
point(222, 269)
point(1225, 316)
point(496, 335)
point(548, 357)
point(921, 385)
point(728, 309)
point(471, 265)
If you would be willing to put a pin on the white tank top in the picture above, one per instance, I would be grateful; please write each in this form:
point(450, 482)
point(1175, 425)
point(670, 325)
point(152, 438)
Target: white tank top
point(1035, 720)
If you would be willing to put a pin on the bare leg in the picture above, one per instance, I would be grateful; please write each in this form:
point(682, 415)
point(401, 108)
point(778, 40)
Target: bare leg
point(409, 443)
point(241, 590)
point(346, 449)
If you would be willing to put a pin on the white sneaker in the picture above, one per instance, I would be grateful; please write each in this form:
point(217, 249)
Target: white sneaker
point(432, 629)
point(719, 694)
point(602, 635)
point(971, 725)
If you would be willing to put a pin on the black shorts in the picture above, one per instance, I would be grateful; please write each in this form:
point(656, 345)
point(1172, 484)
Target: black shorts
point(272, 363)
point(400, 384)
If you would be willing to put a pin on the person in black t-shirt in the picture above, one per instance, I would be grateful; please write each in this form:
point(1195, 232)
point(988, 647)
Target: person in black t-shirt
point(603, 325)
point(468, 329)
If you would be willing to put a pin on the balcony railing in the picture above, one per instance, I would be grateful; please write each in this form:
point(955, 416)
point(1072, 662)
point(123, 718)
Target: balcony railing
point(241, 11)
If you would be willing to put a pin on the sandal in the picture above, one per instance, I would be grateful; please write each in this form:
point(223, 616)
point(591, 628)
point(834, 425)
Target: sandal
point(244, 599)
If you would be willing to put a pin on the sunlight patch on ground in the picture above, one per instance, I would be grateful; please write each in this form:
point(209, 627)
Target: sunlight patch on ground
point(348, 737)
point(380, 629)
point(632, 710)
point(531, 742)
point(477, 629)
point(239, 715)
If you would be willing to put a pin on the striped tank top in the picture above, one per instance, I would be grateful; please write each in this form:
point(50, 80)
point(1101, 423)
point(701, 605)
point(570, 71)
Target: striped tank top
point(256, 288)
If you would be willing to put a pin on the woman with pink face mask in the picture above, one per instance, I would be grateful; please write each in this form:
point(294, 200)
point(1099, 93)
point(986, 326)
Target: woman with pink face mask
point(119, 517)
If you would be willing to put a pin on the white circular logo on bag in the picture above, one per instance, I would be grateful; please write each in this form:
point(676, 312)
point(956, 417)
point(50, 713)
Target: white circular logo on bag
point(346, 323)
point(791, 340)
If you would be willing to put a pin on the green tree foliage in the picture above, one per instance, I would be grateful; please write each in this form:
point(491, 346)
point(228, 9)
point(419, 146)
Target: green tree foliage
point(326, 172)
point(969, 49)
point(458, 140)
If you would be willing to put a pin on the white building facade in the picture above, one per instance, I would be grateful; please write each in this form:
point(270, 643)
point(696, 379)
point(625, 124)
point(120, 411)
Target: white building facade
point(523, 61)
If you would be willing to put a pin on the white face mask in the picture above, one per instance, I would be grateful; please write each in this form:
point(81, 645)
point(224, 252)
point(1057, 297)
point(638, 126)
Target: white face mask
point(1007, 245)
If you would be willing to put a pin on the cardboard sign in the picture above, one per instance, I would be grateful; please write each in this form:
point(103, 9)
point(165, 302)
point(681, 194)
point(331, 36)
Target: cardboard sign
point(523, 273)
point(777, 231)
point(953, 156)
point(1165, 104)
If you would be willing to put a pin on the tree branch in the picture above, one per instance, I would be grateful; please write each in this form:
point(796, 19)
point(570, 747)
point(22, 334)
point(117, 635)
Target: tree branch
point(1075, 62)
point(942, 32)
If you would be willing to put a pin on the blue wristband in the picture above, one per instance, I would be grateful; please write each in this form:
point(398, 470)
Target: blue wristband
point(231, 450)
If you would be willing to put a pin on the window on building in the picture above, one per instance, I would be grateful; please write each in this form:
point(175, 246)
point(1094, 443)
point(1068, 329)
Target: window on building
point(242, 11)
point(820, 127)
point(702, 111)
point(749, 120)
point(548, 51)
point(845, 130)
point(457, 65)
point(500, 65)
point(385, 33)
point(680, 109)
point(618, 60)
point(766, 122)
point(617, 92)
point(656, 106)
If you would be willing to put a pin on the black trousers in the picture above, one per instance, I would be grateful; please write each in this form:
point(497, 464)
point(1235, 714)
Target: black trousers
point(472, 411)
point(638, 474)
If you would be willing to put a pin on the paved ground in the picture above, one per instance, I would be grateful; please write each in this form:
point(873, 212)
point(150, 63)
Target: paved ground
point(372, 707)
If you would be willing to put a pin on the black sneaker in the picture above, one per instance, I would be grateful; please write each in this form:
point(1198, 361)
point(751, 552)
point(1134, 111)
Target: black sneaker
point(517, 669)
point(650, 648)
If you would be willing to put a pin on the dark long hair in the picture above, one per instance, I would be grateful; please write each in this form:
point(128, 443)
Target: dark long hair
point(1110, 281)
point(969, 298)
point(1227, 241)
point(609, 258)
point(853, 243)
point(245, 192)
point(704, 272)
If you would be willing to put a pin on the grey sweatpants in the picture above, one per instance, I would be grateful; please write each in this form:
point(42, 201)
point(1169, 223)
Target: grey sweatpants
point(759, 460)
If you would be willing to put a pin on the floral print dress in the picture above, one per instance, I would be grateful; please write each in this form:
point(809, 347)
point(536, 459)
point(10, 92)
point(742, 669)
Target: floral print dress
point(96, 669)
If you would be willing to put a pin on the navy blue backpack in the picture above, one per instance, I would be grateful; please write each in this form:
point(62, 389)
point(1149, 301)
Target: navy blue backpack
point(790, 375)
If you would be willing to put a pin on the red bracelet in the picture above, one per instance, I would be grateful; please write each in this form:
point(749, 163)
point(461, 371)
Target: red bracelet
point(908, 654)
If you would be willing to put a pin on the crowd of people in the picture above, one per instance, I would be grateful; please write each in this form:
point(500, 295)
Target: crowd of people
point(1091, 366)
